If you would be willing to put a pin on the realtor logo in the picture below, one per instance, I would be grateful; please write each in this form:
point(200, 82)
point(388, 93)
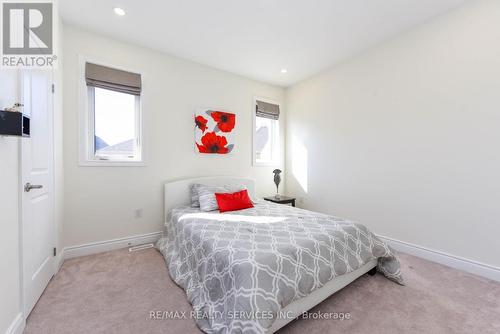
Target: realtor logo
point(27, 34)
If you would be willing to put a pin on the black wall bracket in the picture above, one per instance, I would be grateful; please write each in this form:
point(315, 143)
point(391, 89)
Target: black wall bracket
point(14, 124)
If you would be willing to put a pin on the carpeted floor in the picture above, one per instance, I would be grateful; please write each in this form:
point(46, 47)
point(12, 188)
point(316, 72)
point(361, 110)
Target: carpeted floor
point(115, 292)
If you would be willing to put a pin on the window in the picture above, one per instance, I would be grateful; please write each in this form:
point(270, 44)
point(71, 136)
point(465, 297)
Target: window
point(112, 134)
point(266, 133)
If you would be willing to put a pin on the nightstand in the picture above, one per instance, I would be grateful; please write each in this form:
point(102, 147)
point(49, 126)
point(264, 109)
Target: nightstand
point(281, 200)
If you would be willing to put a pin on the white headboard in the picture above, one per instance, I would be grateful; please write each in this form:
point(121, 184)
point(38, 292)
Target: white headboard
point(177, 193)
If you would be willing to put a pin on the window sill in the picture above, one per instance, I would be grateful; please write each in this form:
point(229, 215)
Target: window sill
point(107, 163)
point(265, 164)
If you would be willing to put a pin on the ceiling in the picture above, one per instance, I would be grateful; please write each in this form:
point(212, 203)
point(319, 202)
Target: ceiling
point(256, 38)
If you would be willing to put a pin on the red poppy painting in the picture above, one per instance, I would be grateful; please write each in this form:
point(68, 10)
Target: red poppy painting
point(201, 123)
point(214, 131)
point(211, 143)
point(225, 121)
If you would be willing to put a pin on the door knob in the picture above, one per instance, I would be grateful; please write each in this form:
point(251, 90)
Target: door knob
point(30, 186)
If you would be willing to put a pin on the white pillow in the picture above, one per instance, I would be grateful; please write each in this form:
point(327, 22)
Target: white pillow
point(195, 192)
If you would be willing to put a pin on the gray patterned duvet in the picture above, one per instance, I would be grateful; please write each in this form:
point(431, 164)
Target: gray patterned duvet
point(239, 269)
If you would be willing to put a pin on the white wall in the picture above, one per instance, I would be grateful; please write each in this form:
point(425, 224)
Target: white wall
point(10, 305)
point(405, 138)
point(100, 201)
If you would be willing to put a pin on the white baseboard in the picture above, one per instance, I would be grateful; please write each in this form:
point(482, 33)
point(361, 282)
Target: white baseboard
point(17, 325)
point(107, 245)
point(470, 266)
point(443, 258)
point(59, 260)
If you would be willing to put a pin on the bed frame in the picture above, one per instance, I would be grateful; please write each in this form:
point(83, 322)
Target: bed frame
point(177, 193)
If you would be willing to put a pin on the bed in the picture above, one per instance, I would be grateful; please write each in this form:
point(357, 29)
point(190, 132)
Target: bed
point(255, 270)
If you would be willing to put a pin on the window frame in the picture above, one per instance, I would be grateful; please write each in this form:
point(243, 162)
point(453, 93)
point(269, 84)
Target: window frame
point(87, 157)
point(275, 137)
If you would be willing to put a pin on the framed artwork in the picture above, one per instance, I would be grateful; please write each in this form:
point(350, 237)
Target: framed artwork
point(214, 131)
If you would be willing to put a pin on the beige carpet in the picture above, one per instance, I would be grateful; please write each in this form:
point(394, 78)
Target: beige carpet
point(115, 292)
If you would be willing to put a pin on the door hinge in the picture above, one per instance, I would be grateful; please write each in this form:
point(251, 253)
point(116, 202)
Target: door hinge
point(55, 251)
point(53, 89)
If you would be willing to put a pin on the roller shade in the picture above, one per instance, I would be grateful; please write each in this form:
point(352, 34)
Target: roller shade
point(112, 79)
point(267, 110)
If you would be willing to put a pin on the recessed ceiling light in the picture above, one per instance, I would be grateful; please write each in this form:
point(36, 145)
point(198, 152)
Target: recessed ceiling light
point(284, 70)
point(119, 11)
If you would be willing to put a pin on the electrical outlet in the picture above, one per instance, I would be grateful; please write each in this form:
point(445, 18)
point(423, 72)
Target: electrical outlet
point(138, 213)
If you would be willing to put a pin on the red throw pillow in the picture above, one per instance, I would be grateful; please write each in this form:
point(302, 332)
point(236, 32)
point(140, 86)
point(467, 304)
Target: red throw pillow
point(235, 201)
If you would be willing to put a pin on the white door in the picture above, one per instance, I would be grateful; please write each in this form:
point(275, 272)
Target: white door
point(38, 227)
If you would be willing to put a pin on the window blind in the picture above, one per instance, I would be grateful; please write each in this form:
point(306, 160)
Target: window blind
point(267, 110)
point(113, 79)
